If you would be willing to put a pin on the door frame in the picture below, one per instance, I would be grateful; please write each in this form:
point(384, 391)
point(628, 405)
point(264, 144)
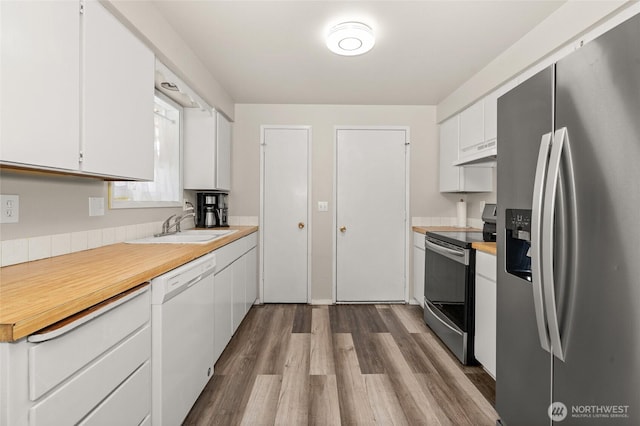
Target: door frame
point(407, 181)
point(309, 205)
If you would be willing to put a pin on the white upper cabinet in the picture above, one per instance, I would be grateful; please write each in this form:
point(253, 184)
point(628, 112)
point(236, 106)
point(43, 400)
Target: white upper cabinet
point(471, 129)
point(223, 153)
point(490, 103)
point(77, 91)
point(40, 101)
point(491, 111)
point(456, 178)
point(478, 129)
point(118, 98)
point(207, 150)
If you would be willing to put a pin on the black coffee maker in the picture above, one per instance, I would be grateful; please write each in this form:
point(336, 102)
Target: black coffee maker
point(212, 209)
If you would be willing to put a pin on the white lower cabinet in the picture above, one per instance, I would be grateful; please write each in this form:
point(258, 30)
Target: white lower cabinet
point(251, 276)
point(485, 316)
point(418, 267)
point(222, 304)
point(95, 371)
point(235, 288)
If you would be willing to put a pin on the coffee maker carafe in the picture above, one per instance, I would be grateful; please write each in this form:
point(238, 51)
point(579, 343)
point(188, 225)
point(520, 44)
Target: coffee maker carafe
point(212, 209)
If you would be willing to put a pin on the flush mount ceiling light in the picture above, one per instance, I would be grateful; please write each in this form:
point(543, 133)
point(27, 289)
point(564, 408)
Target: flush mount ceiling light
point(350, 39)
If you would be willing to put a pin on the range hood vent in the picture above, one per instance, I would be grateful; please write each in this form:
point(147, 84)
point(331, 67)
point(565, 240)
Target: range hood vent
point(481, 155)
point(177, 90)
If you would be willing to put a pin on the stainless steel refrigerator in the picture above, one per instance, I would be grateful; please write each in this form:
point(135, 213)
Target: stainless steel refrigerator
point(568, 316)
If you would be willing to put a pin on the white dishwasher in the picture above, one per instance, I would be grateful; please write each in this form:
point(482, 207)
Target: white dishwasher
point(182, 339)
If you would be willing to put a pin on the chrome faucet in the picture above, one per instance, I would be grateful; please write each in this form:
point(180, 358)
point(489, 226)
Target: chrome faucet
point(178, 220)
point(167, 225)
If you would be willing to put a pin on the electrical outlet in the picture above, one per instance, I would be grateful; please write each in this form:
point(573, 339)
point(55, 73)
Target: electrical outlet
point(323, 206)
point(96, 206)
point(10, 208)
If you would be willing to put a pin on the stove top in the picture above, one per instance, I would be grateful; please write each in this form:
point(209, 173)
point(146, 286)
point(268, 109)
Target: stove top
point(458, 238)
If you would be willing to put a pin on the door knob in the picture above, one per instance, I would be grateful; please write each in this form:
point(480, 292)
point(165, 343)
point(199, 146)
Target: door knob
point(343, 229)
point(301, 225)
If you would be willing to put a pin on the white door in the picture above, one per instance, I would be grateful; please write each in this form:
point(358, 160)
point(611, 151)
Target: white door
point(370, 214)
point(285, 159)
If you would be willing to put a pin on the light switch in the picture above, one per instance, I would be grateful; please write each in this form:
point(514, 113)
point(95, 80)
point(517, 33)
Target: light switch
point(10, 208)
point(323, 206)
point(96, 206)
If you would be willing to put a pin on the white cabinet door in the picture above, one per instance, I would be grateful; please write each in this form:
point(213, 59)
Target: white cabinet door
point(222, 302)
point(449, 174)
point(471, 128)
point(251, 277)
point(239, 291)
point(418, 268)
point(223, 153)
point(199, 148)
point(39, 82)
point(491, 115)
point(485, 306)
point(455, 178)
point(118, 98)
point(491, 110)
point(207, 150)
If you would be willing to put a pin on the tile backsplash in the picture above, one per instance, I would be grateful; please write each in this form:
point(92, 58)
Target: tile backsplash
point(42, 247)
point(444, 221)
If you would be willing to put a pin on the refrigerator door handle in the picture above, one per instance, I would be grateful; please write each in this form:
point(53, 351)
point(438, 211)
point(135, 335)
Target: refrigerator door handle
point(553, 175)
point(536, 239)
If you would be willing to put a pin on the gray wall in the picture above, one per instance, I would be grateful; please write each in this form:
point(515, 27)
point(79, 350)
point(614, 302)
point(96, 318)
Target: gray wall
point(55, 204)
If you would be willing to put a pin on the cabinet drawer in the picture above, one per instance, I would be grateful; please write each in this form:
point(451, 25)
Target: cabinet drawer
point(127, 405)
point(251, 241)
point(72, 401)
point(486, 265)
point(227, 254)
point(53, 361)
point(418, 240)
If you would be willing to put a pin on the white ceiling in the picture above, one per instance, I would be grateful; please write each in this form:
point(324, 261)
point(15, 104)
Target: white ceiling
point(274, 51)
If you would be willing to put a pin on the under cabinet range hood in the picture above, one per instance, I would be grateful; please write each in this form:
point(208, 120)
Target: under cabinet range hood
point(177, 90)
point(484, 154)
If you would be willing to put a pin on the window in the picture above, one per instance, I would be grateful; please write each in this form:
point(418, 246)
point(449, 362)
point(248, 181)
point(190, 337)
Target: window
point(166, 189)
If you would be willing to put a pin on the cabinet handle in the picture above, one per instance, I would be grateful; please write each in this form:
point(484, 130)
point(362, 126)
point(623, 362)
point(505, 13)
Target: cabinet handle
point(301, 225)
point(65, 326)
point(343, 229)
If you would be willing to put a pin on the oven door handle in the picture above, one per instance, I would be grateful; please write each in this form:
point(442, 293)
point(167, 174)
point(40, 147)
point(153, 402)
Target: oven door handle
point(441, 249)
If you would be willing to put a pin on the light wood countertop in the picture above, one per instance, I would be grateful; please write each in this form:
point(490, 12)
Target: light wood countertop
point(486, 247)
point(34, 295)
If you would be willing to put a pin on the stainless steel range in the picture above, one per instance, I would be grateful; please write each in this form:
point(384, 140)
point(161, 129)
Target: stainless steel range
point(449, 289)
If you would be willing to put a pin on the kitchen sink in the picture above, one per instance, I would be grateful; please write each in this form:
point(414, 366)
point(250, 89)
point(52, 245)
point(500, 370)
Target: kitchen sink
point(192, 236)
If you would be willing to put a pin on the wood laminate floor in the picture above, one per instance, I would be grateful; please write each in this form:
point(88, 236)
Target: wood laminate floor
point(343, 364)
